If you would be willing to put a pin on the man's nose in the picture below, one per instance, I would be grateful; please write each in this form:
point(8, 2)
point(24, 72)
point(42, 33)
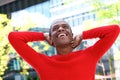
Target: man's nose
point(61, 29)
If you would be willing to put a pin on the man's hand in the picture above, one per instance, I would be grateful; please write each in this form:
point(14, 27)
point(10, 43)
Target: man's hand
point(77, 40)
point(47, 38)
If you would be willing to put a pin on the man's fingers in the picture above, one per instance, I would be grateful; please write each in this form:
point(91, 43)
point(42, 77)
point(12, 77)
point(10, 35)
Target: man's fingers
point(76, 41)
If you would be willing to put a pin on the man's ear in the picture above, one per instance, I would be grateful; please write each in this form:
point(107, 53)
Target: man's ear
point(50, 42)
point(72, 34)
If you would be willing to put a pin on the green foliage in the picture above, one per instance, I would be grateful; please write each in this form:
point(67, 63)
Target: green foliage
point(5, 28)
point(107, 11)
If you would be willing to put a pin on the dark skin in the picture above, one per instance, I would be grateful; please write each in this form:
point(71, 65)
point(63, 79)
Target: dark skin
point(61, 37)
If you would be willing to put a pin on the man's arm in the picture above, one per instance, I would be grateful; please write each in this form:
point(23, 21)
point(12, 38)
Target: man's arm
point(19, 42)
point(107, 36)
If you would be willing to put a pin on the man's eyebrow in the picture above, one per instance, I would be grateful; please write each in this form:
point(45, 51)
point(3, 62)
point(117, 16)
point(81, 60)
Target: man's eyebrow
point(55, 25)
point(64, 24)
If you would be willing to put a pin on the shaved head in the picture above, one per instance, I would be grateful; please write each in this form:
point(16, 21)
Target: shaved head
point(55, 22)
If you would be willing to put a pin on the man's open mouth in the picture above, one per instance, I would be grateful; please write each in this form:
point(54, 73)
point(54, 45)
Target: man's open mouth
point(62, 35)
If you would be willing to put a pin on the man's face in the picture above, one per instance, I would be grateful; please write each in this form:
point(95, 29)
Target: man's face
point(61, 34)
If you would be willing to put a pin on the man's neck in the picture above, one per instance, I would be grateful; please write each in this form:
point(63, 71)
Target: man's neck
point(64, 50)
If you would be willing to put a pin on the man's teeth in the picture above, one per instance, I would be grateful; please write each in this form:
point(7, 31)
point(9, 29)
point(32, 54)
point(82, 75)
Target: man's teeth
point(62, 34)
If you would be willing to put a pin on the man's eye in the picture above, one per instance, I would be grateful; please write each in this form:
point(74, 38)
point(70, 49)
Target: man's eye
point(65, 26)
point(55, 28)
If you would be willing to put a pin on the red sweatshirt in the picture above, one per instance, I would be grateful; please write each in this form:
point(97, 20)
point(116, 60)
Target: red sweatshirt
point(78, 65)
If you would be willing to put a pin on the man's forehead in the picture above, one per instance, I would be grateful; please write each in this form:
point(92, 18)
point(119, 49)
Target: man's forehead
point(59, 21)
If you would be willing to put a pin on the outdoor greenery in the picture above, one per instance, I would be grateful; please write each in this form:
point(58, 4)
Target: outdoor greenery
point(4, 44)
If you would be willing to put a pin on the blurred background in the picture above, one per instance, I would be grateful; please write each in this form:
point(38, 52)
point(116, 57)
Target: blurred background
point(37, 15)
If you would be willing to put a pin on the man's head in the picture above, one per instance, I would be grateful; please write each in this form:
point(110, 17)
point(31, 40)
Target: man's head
point(60, 33)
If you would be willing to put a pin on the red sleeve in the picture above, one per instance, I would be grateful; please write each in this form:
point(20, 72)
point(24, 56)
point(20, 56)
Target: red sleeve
point(107, 36)
point(19, 42)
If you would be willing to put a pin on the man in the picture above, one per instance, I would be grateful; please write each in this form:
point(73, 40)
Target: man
point(61, 37)
point(67, 64)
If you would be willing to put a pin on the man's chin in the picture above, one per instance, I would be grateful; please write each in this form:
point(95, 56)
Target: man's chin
point(63, 43)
